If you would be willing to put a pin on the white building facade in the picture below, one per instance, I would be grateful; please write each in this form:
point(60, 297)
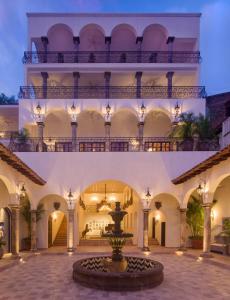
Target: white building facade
point(101, 95)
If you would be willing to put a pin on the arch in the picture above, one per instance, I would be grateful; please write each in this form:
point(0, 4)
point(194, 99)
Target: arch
point(5, 227)
point(155, 38)
point(168, 213)
point(60, 38)
point(7, 185)
point(92, 38)
point(218, 181)
point(90, 124)
point(57, 124)
point(157, 124)
point(124, 123)
point(123, 38)
point(91, 217)
point(221, 207)
point(48, 202)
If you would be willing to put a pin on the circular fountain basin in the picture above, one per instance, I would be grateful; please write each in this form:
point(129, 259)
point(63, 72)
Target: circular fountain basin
point(141, 273)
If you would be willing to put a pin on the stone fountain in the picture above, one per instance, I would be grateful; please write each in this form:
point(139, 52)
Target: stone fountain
point(118, 273)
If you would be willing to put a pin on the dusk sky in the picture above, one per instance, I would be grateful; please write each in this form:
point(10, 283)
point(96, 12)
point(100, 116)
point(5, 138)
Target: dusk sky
point(215, 33)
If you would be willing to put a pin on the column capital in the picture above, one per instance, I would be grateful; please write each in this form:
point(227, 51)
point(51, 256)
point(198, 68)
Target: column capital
point(14, 200)
point(207, 205)
point(41, 123)
point(138, 75)
point(139, 39)
point(170, 39)
point(107, 123)
point(45, 40)
point(76, 40)
point(169, 74)
point(108, 39)
point(107, 75)
point(74, 123)
point(45, 75)
point(182, 210)
point(76, 74)
point(141, 123)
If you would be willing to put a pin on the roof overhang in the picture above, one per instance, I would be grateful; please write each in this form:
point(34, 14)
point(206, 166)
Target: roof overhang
point(204, 165)
point(16, 163)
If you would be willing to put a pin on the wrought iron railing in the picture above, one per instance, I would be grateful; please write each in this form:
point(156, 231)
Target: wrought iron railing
point(112, 92)
point(113, 144)
point(111, 57)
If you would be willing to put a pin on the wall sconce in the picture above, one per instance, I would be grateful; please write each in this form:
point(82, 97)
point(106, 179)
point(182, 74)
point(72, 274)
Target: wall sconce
point(147, 199)
point(177, 110)
point(142, 111)
point(23, 190)
point(54, 216)
point(57, 205)
point(108, 112)
point(213, 214)
point(70, 200)
point(38, 113)
point(158, 205)
point(73, 113)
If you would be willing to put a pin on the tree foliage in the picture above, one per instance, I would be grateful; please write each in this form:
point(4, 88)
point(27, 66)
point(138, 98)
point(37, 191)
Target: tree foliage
point(4, 100)
point(195, 217)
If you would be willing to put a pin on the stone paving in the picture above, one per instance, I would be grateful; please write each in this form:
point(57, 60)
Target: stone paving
point(48, 276)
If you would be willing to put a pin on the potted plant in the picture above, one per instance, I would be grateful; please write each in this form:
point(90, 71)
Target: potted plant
point(2, 243)
point(22, 138)
point(195, 221)
point(26, 213)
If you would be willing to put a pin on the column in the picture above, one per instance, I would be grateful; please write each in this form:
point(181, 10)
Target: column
point(107, 135)
point(15, 210)
point(33, 230)
point(169, 77)
point(182, 229)
point(45, 43)
point(74, 135)
point(76, 41)
point(76, 76)
point(141, 134)
point(107, 77)
point(207, 230)
point(138, 84)
point(139, 48)
point(70, 242)
point(107, 43)
point(40, 136)
point(170, 41)
point(146, 230)
point(45, 77)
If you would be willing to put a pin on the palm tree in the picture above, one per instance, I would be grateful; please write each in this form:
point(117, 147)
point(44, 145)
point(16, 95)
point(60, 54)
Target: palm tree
point(195, 217)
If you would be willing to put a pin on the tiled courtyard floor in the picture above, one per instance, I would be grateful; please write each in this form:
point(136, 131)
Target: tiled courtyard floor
point(49, 276)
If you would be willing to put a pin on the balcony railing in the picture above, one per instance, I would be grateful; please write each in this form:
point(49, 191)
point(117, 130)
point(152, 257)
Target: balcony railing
point(113, 144)
point(111, 57)
point(112, 92)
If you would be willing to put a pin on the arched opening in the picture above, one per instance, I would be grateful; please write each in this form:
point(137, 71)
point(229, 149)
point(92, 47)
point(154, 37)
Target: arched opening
point(93, 207)
point(123, 38)
point(90, 124)
point(5, 217)
point(194, 221)
point(164, 221)
point(92, 38)
point(124, 124)
point(157, 124)
point(57, 126)
point(154, 38)
point(52, 228)
point(60, 38)
point(220, 217)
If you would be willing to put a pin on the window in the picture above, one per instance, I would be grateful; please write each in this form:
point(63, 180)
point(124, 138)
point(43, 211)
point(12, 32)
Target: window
point(157, 146)
point(92, 147)
point(119, 146)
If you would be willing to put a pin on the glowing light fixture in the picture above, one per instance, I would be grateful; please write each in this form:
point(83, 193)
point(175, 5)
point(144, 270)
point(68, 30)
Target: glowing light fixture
point(104, 205)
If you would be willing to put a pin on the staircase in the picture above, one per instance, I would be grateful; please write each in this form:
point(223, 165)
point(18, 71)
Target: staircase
point(61, 237)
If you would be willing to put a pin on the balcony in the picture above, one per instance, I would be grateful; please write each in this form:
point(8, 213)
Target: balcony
point(113, 144)
point(112, 57)
point(112, 92)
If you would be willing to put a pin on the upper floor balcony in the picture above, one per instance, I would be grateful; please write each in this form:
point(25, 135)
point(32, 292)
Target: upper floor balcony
point(111, 92)
point(86, 57)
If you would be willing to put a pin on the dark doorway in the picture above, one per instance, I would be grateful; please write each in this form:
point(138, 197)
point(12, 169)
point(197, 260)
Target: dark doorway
point(50, 232)
point(153, 228)
point(163, 227)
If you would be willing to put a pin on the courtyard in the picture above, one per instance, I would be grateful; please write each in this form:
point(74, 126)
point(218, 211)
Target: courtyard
point(49, 276)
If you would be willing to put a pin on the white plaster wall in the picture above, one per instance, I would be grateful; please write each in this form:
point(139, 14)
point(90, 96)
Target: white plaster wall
point(179, 25)
point(138, 170)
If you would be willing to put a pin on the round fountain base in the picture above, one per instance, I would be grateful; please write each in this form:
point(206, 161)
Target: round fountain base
point(140, 273)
